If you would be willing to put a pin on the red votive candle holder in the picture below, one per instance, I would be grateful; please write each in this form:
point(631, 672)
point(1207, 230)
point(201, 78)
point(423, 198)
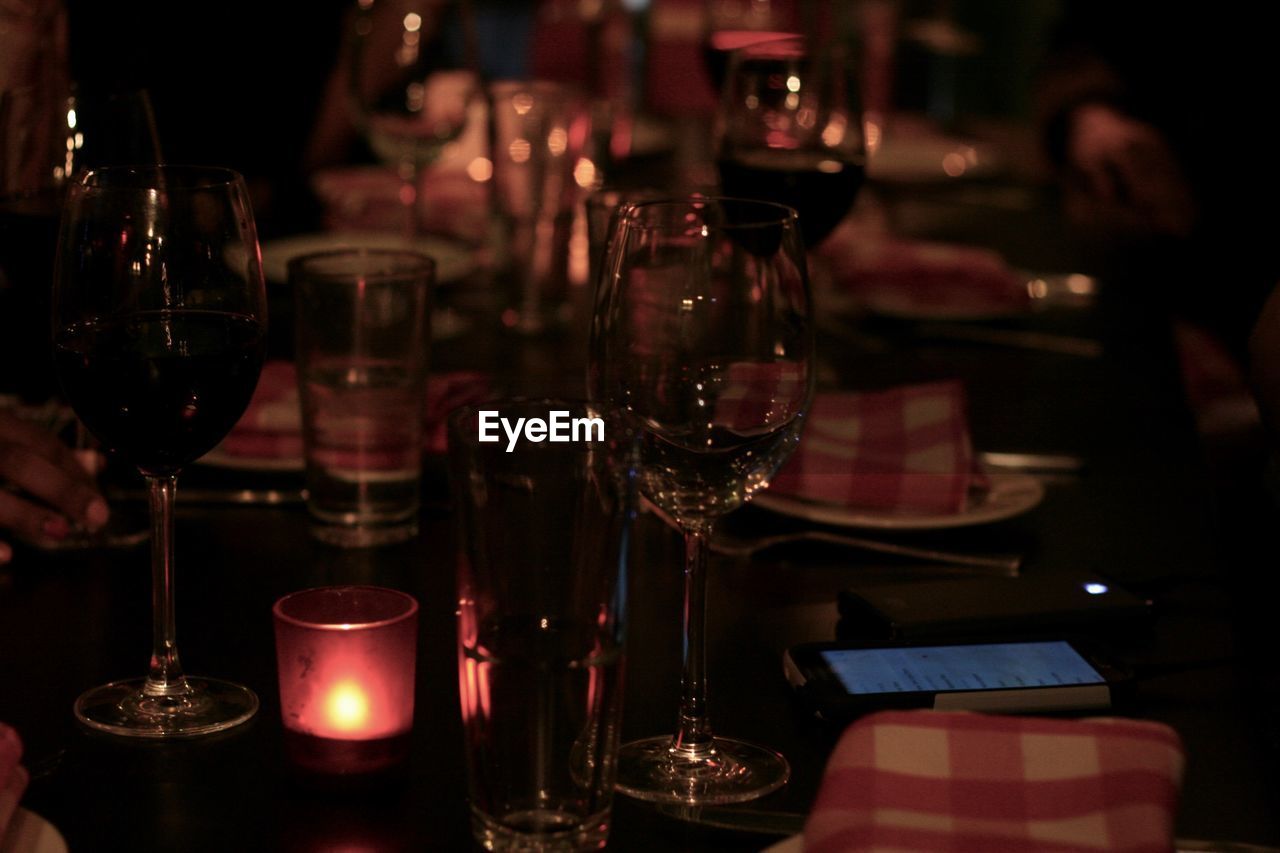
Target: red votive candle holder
point(345, 656)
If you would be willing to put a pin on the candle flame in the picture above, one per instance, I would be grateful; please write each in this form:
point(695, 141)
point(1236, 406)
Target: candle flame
point(347, 707)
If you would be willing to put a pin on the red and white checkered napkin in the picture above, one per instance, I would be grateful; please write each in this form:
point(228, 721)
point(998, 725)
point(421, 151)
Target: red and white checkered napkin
point(13, 776)
point(271, 427)
point(925, 781)
point(756, 396)
point(906, 449)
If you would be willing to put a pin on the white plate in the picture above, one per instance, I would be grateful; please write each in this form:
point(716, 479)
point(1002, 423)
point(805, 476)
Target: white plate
point(30, 833)
point(913, 149)
point(793, 844)
point(454, 259)
point(1009, 495)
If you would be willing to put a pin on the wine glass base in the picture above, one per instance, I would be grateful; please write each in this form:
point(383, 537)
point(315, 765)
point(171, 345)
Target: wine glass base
point(210, 705)
point(732, 771)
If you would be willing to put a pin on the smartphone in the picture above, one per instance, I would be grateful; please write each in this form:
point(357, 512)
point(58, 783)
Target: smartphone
point(1066, 604)
point(842, 681)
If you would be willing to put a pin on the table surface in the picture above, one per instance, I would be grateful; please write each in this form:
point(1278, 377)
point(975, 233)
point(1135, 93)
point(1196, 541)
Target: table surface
point(1139, 514)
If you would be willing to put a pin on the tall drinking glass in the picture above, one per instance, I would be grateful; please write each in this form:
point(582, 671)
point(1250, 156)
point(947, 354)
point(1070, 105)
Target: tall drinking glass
point(159, 316)
point(543, 534)
point(702, 348)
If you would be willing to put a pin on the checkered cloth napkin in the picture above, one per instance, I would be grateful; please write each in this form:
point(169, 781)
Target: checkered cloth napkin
point(905, 449)
point(13, 776)
point(924, 781)
point(271, 427)
point(757, 396)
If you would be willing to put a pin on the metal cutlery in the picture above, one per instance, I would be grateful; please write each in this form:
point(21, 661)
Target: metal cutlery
point(1047, 463)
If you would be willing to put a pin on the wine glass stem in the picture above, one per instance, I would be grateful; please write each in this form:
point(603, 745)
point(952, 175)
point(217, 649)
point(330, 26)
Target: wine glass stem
point(694, 738)
point(164, 678)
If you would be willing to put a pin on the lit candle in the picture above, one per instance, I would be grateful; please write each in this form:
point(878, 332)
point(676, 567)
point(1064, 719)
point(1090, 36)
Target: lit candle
point(346, 664)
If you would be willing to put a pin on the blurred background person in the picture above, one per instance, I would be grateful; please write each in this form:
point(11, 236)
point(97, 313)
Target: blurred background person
point(1154, 117)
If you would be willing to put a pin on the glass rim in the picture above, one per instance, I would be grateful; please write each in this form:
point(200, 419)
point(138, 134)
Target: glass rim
point(411, 610)
point(141, 176)
point(418, 264)
point(601, 196)
point(782, 214)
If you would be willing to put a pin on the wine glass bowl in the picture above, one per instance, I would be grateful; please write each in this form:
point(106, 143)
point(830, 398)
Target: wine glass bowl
point(702, 354)
point(732, 24)
point(412, 80)
point(790, 130)
point(159, 315)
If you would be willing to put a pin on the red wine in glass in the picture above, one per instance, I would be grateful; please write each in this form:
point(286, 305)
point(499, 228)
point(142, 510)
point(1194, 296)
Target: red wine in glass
point(790, 131)
point(819, 186)
point(159, 309)
point(161, 388)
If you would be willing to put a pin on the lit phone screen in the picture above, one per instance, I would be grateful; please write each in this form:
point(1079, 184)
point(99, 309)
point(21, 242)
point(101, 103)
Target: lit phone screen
point(945, 669)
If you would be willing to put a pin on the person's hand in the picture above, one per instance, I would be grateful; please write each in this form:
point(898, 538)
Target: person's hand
point(1126, 175)
point(44, 490)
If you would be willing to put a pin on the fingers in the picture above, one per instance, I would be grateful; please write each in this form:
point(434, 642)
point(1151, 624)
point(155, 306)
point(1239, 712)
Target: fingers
point(72, 494)
point(1128, 166)
point(39, 441)
point(30, 520)
point(44, 487)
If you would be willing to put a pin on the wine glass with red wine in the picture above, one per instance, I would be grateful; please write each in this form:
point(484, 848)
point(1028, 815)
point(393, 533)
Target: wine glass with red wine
point(790, 130)
point(159, 336)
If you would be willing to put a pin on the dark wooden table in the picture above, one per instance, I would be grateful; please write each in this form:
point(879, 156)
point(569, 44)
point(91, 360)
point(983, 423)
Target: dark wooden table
point(1139, 514)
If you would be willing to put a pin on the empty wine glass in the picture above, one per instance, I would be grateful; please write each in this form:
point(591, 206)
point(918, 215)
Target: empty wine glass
point(702, 353)
point(159, 316)
point(414, 76)
point(790, 130)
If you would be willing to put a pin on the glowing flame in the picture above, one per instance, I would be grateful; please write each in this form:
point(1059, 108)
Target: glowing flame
point(347, 707)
